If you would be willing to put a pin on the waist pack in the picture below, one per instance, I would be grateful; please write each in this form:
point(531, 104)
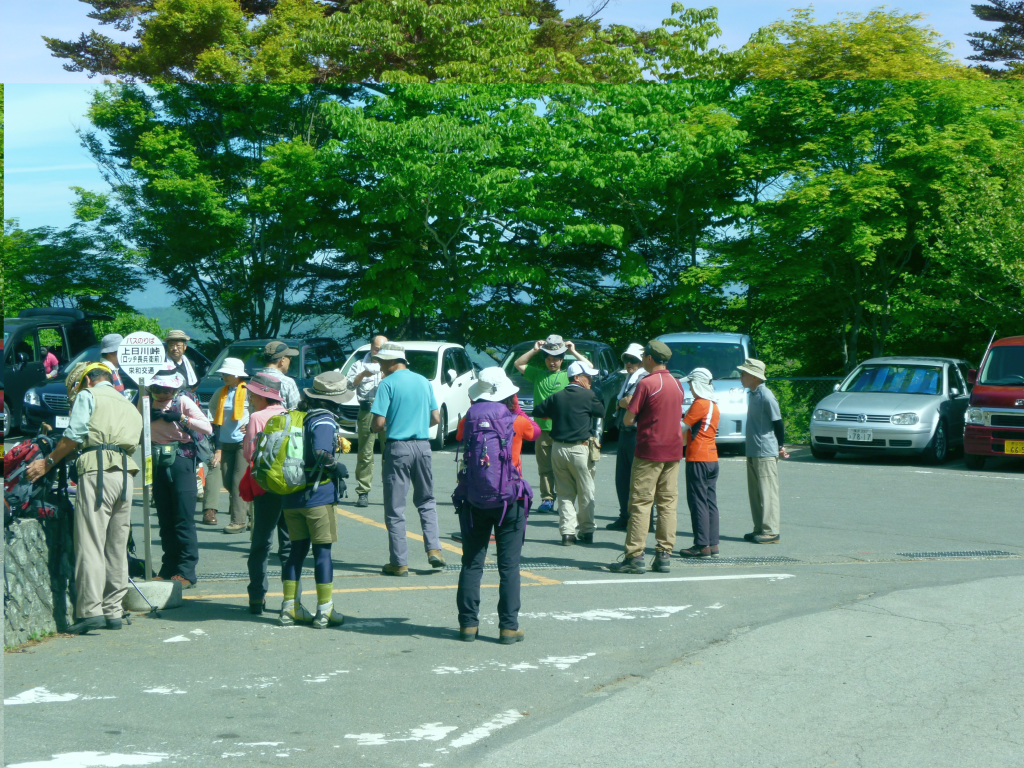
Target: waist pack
point(164, 455)
point(487, 478)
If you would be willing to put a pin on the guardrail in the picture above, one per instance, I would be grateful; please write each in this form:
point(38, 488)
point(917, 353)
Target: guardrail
point(797, 396)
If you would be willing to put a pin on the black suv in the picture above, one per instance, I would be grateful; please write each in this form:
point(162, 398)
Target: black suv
point(315, 356)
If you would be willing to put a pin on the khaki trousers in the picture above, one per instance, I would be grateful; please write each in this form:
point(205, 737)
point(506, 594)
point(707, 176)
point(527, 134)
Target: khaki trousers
point(101, 545)
point(575, 486)
point(228, 475)
point(763, 490)
point(542, 450)
point(650, 482)
point(364, 460)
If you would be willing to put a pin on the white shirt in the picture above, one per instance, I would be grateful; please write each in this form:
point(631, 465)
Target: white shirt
point(366, 390)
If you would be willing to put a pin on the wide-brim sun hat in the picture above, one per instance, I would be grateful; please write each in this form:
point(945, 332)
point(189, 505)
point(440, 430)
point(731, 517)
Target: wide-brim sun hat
point(581, 368)
point(390, 352)
point(332, 386)
point(754, 368)
point(635, 351)
point(232, 366)
point(700, 381)
point(167, 376)
point(264, 386)
point(110, 343)
point(554, 345)
point(177, 336)
point(493, 385)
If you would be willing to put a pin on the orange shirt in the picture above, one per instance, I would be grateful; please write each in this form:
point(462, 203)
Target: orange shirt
point(522, 429)
point(703, 415)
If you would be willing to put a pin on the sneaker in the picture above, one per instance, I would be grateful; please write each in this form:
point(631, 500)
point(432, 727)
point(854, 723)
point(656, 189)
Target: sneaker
point(329, 619)
point(617, 525)
point(629, 565)
point(395, 570)
point(763, 538)
point(547, 507)
point(294, 613)
point(435, 559)
point(468, 634)
point(751, 536)
point(662, 562)
point(363, 500)
point(568, 541)
point(235, 528)
point(510, 636)
point(714, 550)
point(702, 552)
point(256, 609)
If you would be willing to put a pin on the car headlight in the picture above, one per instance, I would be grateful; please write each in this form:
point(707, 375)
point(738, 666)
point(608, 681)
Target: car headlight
point(975, 416)
point(32, 398)
point(820, 414)
point(905, 419)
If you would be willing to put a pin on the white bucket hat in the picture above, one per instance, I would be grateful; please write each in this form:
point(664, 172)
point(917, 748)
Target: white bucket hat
point(633, 350)
point(232, 366)
point(699, 380)
point(493, 385)
point(578, 367)
point(389, 352)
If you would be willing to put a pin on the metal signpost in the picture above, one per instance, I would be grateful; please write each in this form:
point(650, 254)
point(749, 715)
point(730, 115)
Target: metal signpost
point(140, 356)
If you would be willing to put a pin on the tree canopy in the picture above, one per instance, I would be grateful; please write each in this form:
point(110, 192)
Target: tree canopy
point(1003, 45)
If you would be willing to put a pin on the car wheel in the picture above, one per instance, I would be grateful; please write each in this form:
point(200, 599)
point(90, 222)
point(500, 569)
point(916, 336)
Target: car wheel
point(820, 454)
point(438, 442)
point(938, 449)
point(973, 461)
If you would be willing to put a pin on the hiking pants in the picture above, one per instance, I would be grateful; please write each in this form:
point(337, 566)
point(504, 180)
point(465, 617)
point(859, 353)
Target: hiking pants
point(101, 545)
point(702, 499)
point(364, 460)
point(650, 482)
point(228, 475)
point(268, 516)
point(542, 450)
point(763, 490)
point(176, 513)
point(477, 525)
point(408, 462)
point(575, 486)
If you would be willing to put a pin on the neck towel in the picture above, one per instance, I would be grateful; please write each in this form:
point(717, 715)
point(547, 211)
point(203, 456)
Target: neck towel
point(237, 408)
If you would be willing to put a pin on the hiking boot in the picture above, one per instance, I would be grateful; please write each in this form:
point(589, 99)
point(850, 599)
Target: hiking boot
point(750, 536)
point(363, 500)
point(112, 623)
point(329, 619)
point(185, 583)
point(435, 559)
point(395, 570)
point(764, 538)
point(82, 626)
point(294, 612)
point(617, 525)
point(714, 550)
point(256, 609)
point(662, 562)
point(468, 634)
point(585, 538)
point(547, 507)
point(568, 541)
point(235, 528)
point(702, 552)
point(629, 565)
point(210, 516)
point(510, 636)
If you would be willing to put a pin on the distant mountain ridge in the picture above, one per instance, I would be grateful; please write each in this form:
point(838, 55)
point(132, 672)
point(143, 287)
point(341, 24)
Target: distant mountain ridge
point(177, 319)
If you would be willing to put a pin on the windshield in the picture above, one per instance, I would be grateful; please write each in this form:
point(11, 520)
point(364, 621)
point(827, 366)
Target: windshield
point(719, 357)
point(250, 355)
point(421, 361)
point(537, 361)
point(1004, 367)
point(896, 378)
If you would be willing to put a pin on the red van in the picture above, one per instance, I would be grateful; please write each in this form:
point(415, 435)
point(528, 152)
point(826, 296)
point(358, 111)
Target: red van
point(995, 417)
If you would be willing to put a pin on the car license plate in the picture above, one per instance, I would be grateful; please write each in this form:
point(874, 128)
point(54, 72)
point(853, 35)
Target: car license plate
point(62, 422)
point(859, 435)
point(1014, 447)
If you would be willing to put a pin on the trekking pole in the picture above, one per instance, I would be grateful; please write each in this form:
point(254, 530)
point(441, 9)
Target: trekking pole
point(152, 608)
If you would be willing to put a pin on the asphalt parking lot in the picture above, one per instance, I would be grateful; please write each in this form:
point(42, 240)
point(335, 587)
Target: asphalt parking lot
point(884, 629)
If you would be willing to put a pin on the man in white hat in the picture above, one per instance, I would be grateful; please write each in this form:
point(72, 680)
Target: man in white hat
point(405, 408)
point(574, 414)
point(546, 380)
point(702, 464)
point(108, 356)
point(229, 413)
point(632, 360)
point(366, 378)
point(177, 343)
point(765, 446)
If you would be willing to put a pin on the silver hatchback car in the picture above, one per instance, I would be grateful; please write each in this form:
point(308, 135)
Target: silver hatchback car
point(900, 405)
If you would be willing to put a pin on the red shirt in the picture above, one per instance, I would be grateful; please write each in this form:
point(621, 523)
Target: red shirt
point(704, 415)
point(658, 406)
point(523, 428)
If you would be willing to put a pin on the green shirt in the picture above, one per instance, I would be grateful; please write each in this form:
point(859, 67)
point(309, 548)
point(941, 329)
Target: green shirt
point(545, 384)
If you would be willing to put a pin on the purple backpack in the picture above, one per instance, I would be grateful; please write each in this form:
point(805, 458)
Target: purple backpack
point(487, 477)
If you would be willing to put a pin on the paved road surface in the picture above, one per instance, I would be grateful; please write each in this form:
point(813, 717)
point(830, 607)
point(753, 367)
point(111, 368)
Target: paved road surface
point(841, 652)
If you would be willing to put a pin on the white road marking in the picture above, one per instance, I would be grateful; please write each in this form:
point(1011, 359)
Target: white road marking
point(609, 614)
point(482, 732)
point(39, 695)
point(197, 632)
point(425, 732)
point(769, 576)
point(564, 662)
point(177, 639)
point(165, 691)
point(94, 760)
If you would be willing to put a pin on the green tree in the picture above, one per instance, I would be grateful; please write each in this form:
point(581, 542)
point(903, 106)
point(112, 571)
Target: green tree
point(1003, 45)
point(125, 323)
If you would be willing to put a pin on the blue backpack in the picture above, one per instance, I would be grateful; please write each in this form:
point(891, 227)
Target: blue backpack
point(487, 478)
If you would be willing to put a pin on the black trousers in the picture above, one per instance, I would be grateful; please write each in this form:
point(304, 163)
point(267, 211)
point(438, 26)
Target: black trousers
point(702, 499)
point(477, 525)
point(623, 470)
point(267, 516)
point(176, 498)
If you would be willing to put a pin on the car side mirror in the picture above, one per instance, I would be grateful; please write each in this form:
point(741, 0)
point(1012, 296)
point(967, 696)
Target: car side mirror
point(954, 392)
point(452, 375)
point(835, 387)
point(972, 376)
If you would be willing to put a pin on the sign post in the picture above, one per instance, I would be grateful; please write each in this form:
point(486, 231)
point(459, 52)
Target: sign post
point(140, 356)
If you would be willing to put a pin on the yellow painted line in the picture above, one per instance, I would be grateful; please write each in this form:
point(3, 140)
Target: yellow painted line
point(346, 591)
point(409, 534)
point(542, 581)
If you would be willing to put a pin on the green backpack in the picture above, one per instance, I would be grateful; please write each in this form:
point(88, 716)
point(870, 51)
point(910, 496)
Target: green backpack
point(279, 462)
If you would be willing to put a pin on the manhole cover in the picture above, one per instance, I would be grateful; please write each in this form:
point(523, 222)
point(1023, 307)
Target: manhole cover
point(956, 554)
point(734, 560)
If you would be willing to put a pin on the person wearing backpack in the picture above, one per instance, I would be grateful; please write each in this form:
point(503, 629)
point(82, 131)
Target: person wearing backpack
point(702, 465)
point(106, 428)
point(179, 430)
point(492, 495)
point(309, 512)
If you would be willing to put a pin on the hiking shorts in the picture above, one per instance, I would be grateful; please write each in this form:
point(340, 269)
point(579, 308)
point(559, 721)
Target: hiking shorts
point(319, 524)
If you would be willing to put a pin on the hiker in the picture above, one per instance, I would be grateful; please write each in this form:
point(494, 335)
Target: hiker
point(406, 408)
point(267, 513)
point(546, 381)
point(177, 343)
point(277, 359)
point(492, 495)
point(632, 361)
point(109, 345)
point(765, 445)
point(656, 409)
point(702, 465)
point(575, 414)
point(366, 378)
point(176, 424)
point(229, 413)
point(106, 428)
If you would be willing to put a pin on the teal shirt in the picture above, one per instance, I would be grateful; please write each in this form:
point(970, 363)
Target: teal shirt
point(405, 400)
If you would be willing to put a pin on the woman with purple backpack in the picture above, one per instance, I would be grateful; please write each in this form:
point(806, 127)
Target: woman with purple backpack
point(492, 495)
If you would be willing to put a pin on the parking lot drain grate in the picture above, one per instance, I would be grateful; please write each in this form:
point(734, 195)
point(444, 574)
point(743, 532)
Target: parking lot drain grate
point(734, 561)
point(524, 565)
point(977, 553)
point(272, 573)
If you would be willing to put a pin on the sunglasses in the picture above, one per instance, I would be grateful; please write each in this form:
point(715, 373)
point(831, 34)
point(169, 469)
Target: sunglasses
point(156, 389)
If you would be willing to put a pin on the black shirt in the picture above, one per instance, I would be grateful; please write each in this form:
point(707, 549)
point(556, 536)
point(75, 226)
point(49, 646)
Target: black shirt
point(571, 412)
